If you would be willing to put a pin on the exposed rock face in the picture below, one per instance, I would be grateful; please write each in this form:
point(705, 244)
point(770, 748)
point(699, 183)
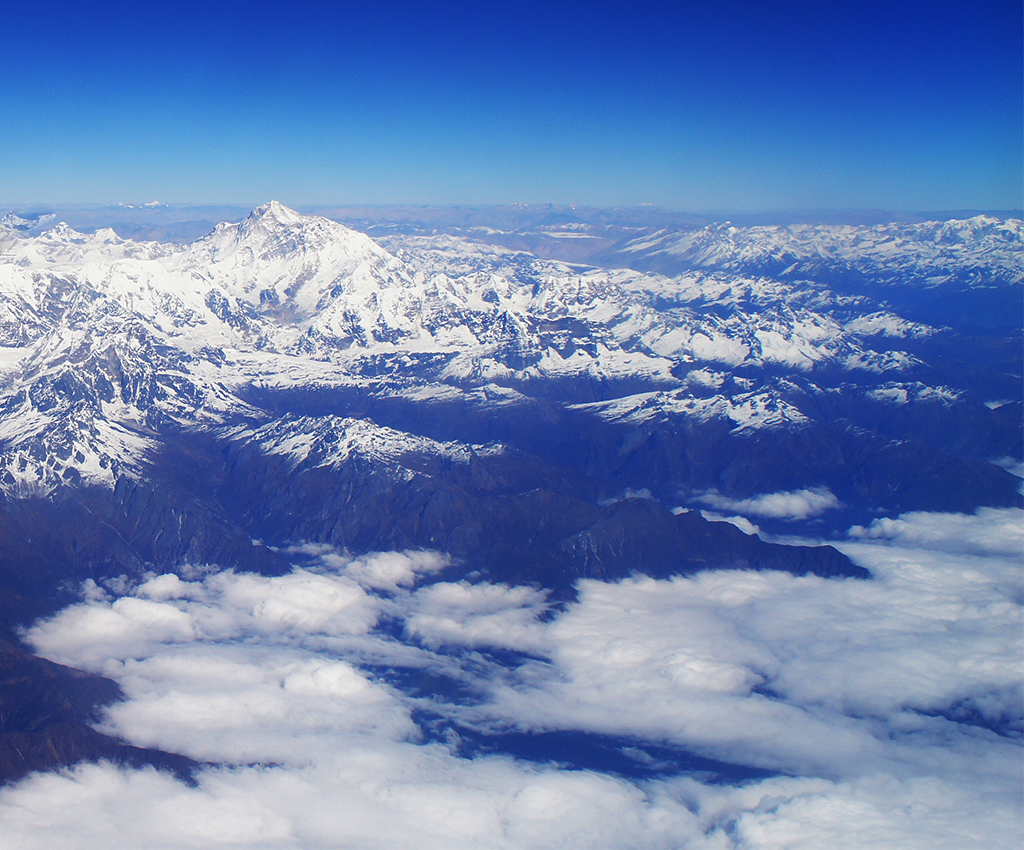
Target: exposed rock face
point(44, 714)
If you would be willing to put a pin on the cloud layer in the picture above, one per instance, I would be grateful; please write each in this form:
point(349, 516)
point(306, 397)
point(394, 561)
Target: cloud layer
point(890, 708)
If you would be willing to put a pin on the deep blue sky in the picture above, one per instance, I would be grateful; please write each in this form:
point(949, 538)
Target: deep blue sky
point(698, 106)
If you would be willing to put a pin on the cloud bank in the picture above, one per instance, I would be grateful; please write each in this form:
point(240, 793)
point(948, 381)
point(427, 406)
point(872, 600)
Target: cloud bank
point(882, 713)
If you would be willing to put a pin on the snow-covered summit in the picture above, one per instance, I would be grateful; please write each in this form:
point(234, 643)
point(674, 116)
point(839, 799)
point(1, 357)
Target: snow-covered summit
point(16, 224)
point(273, 211)
point(288, 265)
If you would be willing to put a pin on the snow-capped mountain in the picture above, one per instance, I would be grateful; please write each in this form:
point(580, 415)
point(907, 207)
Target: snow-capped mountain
point(970, 269)
point(286, 381)
point(600, 381)
point(982, 249)
point(12, 223)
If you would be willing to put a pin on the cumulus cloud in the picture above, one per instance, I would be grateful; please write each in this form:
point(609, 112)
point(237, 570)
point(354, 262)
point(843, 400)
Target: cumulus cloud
point(221, 606)
point(989, 531)
point(401, 795)
point(245, 704)
point(787, 504)
point(804, 674)
point(380, 570)
point(787, 673)
point(391, 570)
point(878, 812)
point(893, 704)
point(393, 795)
point(464, 614)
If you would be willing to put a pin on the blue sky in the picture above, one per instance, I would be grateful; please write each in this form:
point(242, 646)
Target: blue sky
point(699, 106)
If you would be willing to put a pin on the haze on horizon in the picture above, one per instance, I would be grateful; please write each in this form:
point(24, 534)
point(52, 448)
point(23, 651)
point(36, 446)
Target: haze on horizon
point(750, 106)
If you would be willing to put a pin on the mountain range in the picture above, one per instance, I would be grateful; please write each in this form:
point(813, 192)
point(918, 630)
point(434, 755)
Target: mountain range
point(683, 400)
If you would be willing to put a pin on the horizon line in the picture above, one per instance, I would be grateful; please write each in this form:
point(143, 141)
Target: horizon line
point(45, 207)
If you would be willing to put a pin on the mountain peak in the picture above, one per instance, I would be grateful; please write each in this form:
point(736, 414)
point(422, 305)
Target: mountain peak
point(27, 226)
point(275, 211)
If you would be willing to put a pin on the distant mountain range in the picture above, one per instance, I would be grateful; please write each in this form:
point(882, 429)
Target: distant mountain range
point(526, 223)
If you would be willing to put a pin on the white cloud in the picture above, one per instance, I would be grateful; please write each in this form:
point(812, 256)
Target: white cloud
point(627, 495)
point(402, 795)
point(877, 812)
point(221, 606)
point(464, 614)
point(1011, 465)
point(741, 522)
point(390, 570)
point(301, 601)
point(837, 681)
point(98, 630)
point(378, 570)
point(393, 795)
point(989, 531)
point(244, 704)
point(787, 504)
point(835, 677)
